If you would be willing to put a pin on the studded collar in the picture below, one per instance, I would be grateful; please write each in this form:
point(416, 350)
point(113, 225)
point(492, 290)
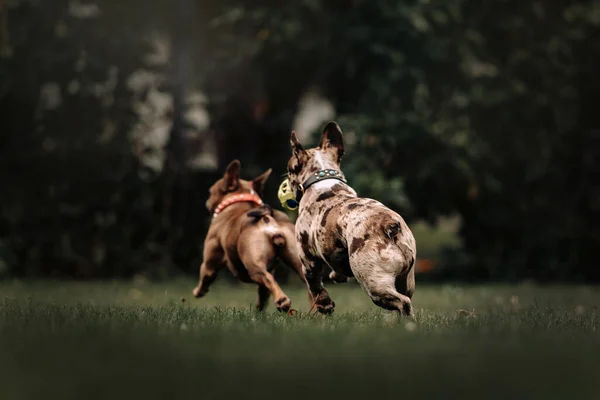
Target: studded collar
point(318, 176)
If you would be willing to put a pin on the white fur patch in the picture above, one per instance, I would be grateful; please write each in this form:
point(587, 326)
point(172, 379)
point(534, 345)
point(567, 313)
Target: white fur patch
point(270, 229)
point(327, 184)
point(319, 160)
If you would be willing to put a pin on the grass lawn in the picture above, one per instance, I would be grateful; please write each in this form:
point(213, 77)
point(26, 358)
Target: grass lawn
point(141, 341)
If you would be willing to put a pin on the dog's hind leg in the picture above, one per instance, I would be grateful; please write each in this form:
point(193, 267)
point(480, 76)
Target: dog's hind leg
point(264, 279)
point(382, 291)
point(257, 252)
point(289, 253)
point(290, 257)
point(394, 301)
point(405, 284)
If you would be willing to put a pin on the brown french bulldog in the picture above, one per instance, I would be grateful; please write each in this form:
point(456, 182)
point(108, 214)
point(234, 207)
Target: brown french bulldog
point(247, 235)
point(353, 236)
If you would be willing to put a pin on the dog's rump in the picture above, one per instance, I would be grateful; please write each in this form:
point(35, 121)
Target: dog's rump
point(381, 231)
point(269, 226)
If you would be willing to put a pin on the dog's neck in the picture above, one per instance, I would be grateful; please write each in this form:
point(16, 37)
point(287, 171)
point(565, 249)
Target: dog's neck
point(228, 200)
point(324, 185)
point(323, 175)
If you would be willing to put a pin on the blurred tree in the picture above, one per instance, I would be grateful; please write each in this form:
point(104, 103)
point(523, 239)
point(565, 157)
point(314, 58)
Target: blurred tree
point(75, 203)
point(64, 150)
point(480, 109)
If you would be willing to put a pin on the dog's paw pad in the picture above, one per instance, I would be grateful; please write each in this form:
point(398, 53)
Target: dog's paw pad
point(326, 309)
point(283, 304)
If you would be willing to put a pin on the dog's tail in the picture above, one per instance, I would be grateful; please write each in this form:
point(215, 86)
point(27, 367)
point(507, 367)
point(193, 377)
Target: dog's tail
point(264, 214)
point(392, 229)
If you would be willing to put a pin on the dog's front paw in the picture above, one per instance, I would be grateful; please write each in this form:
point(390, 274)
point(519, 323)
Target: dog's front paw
point(324, 303)
point(326, 309)
point(283, 304)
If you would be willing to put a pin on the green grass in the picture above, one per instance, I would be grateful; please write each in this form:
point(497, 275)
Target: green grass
point(118, 340)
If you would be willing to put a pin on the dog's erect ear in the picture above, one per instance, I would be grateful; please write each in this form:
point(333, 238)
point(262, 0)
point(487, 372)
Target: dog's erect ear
point(258, 184)
point(232, 176)
point(296, 146)
point(332, 138)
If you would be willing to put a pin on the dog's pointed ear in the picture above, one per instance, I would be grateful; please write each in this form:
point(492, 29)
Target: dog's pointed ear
point(231, 178)
point(297, 148)
point(258, 184)
point(332, 138)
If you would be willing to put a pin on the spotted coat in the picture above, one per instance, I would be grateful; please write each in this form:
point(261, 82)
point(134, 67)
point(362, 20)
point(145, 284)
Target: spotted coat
point(354, 236)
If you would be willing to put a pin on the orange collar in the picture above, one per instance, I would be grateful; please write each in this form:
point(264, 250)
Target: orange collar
point(237, 198)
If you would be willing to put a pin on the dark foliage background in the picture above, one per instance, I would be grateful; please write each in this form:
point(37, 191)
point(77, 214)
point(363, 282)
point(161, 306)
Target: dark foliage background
point(482, 110)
